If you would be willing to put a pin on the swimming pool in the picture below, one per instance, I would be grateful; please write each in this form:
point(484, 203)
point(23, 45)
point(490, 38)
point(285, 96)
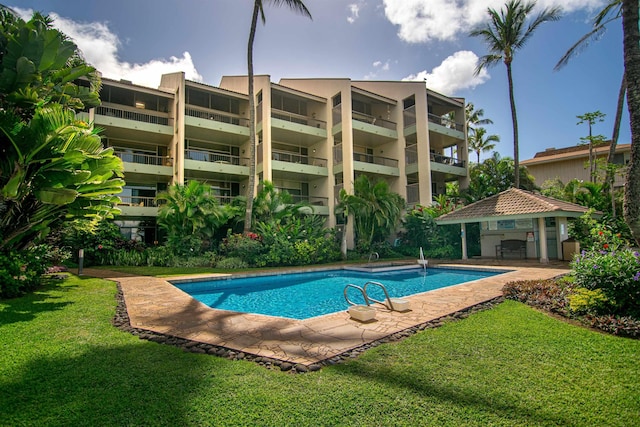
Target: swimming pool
point(304, 295)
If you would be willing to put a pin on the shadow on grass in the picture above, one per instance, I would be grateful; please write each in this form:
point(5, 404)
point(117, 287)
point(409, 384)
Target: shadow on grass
point(124, 385)
point(499, 404)
point(41, 300)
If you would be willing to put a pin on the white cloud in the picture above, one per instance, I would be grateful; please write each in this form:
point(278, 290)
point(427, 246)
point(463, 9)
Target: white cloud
point(354, 10)
point(427, 20)
point(100, 48)
point(378, 67)
point(455, 73)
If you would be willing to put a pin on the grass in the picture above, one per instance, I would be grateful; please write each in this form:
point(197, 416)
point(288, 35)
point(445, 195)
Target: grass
point(63, 363)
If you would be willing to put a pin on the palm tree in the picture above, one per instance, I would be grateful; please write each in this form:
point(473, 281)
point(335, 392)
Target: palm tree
point(611, 12)
point(631, 40)
point(297, 6)
point(191, 215)
point(478, 143)
point(474, 117)
point(505, 34)
point(375, 208)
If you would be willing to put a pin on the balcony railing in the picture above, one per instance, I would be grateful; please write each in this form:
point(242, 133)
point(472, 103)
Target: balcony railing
point(413, 193)
point(411, 154)
point(439, 158)
point(337, 154)
point(289, 157)
point(143, 159)
point(141, 201)
point(376, 121)
point(212, 157)
point(297, 118)
point(133, 114)
point(375, 160)
point(409, 116)
point(216, 116)
point(446, 122)
point(312, 200)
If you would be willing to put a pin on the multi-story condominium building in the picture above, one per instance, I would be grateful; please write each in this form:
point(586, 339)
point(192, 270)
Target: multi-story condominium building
point(570, 163)
point(314, 137)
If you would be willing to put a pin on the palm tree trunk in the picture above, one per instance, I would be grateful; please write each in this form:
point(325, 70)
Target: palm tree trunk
point(632, 76)
point(514, 118)
point(610, 178)
point(252, 121)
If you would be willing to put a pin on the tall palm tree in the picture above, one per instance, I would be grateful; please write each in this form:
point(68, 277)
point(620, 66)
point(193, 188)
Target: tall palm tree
point(631, 40)
point(611, 12)
point(475, 117)
point(299, 7)
point(478, 143)
point(505, 34)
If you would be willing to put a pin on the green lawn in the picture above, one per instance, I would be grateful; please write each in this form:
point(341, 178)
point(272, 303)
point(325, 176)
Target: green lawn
point(63, 363)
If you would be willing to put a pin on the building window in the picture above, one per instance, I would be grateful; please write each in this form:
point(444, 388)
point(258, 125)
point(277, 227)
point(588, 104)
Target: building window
point(337, 100)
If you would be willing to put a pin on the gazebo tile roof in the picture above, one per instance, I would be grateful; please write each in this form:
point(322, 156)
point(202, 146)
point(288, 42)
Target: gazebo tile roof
point(512, 202)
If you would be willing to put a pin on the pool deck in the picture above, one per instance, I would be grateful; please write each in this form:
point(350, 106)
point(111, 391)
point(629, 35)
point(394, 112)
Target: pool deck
point(154, 304)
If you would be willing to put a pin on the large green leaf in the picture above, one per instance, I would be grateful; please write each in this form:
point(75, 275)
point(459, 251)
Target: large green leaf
point(10, 189)
point(56, 196)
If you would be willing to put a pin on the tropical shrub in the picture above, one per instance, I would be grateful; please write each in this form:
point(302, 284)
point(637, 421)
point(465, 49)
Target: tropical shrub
point(21, 272)
point(246, 247)
point(603, 233)
point(191, 215)
point(375, 210)
point(98, 239)
point(616, 273)
point(584, 301)
point(421, 231)
point(556, 296)
point(232, 263)
point(159, 256)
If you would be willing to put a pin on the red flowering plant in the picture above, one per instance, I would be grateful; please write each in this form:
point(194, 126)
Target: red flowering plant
point(611, 267)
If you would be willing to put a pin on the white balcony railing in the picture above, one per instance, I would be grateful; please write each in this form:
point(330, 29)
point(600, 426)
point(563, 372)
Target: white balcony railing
point(133, 114)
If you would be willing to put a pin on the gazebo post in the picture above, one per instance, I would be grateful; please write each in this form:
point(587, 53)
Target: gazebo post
point(463, 230)
point(544, 257)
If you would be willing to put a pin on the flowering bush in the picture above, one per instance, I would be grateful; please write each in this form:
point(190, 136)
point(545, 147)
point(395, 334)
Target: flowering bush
point(21, 272)
point(615, 272)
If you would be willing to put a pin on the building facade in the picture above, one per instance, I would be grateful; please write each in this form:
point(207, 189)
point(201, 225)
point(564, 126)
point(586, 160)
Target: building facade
point(314, 137)
point(570, 163)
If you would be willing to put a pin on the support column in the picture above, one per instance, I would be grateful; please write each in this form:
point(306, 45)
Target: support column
point(463, 237)
point(542, 229)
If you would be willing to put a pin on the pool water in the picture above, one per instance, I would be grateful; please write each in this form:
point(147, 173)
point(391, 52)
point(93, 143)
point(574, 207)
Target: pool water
point(305, 295)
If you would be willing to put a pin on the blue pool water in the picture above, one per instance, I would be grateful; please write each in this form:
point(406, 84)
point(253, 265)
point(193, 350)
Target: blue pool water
point(304, 295)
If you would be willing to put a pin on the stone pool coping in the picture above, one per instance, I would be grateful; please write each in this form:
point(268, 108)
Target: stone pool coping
point(153, 304)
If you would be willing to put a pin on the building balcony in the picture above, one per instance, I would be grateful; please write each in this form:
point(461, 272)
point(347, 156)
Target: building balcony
point(289, 164)
point(446, 127)
point(144, 163)
point(132, 123)
point(368, 163)
point(217, 163)
point(374, 130)
point(138, 206)
point(413, 194)
point(448, 165)
point(295, 128)
point(207, 124)
point(320, 205)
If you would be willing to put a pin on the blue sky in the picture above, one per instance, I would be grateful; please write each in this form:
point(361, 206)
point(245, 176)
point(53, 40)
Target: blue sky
point(139, 40)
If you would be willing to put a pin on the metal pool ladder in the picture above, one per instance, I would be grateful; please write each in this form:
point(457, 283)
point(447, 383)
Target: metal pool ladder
point(393, 304)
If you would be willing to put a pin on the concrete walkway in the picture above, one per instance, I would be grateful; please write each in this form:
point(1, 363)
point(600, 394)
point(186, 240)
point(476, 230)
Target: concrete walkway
point(154, 304)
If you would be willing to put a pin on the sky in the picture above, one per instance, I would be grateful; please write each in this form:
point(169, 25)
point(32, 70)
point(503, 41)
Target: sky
point(425, 40)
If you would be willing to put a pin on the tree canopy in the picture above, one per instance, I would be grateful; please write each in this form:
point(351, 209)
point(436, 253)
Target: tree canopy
point(52, 166)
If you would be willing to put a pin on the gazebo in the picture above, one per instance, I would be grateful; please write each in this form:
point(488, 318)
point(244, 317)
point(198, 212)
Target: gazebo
point(538, 222)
